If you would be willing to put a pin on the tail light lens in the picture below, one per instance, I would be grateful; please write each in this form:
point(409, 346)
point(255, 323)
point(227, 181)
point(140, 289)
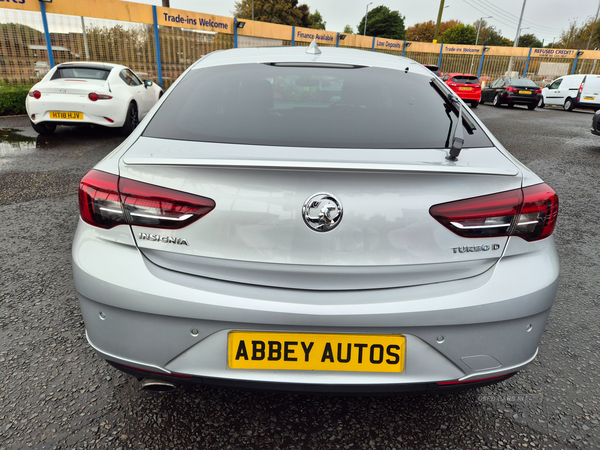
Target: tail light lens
point(511, 89)
point(107, 200)
point(537, 91)
point(95, 97)
point(580, 89)
point(35, 94)
point(529, 213)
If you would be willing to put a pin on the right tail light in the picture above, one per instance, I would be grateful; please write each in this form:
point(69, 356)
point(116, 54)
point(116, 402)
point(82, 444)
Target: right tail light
point(529, 213)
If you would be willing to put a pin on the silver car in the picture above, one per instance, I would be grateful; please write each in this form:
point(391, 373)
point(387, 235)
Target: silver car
point(314, 219)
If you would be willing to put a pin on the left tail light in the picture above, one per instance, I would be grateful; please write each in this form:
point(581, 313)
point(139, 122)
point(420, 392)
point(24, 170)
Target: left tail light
point(529, 213)
point(35, 94)
point(511, 89)
point(107, 200)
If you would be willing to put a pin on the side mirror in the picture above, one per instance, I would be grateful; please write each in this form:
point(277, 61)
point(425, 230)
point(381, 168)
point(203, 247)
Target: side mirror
point(147, 83)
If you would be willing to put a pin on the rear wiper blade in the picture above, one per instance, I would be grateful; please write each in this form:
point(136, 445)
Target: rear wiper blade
point(456, 139)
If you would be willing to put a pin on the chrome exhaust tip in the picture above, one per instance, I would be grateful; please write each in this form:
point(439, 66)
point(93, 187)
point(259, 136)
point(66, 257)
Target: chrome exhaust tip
point(152, 385)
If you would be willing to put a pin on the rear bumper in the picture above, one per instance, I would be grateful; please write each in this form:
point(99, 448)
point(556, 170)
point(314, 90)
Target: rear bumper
point(520, 100)
point(151, 319)
point(469, 96)
point(329, 389)
point(94, 113)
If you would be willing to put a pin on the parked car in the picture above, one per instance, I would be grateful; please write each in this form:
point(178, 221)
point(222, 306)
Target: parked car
point(434, 69)
point(79, 93)
point(41, 68)
point(563, 91)
point(465, 86)
point(283, 220)
point(512, 91)
point(589, 93)
point(596, 123)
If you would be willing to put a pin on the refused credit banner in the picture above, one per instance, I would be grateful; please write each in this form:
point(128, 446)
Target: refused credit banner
point(554, 52)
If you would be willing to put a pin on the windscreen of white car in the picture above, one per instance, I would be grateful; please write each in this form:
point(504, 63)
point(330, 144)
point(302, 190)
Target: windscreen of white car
point(309, 105)
point(89, 73)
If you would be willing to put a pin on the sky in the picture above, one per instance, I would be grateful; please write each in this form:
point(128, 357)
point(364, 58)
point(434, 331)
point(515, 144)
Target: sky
point(543, 18)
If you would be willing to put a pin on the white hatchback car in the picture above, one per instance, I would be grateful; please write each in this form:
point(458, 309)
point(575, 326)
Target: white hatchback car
point(94, 93)
point(326, 220)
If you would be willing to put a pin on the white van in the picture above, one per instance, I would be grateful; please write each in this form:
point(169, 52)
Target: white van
point(573, 91)
point(562, 92)
point(589, 93)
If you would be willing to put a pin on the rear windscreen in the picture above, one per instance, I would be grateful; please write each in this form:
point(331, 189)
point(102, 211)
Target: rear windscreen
point(307, 106)
point(465, 79)
point(81, 72)
point(521, 82)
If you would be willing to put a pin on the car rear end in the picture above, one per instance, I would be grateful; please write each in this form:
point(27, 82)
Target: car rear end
point(303, 232)
point(75, 94)
point(588, 94)
point(522, 91)
point(467, 87)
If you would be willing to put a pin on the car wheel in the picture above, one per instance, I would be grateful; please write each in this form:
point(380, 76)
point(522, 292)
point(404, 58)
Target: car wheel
point(541, 103)
point(44, 127)
point(481, 100)
point(531, 107)
point(569, 104)
point(131, 121)
point(496, 101)
point(474, 105)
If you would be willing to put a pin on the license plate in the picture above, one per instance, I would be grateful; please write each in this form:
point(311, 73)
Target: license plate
point(589, 98)
point(66, 115)
point(464, 88)
point(525, 92)
point(312, 351)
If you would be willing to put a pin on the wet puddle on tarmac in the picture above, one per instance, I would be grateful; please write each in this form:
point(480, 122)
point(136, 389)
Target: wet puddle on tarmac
point(14, 143)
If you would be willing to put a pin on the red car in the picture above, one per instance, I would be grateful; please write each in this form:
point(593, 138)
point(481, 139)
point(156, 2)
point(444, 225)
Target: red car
point(466, 87)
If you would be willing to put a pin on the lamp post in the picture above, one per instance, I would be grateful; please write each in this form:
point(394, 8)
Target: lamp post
point(479, 27)
point(477, 40)
point(516, 43)
point(366, 15)
point(439, 20)
point(594, 27)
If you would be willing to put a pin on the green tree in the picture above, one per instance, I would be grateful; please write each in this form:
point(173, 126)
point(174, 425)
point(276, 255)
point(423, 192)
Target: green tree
point(460, 34)
point(348, 29)
point(317, 20)
point(529, 40)
point(384, 23)
point(488, 35)
point(305, 20)
point(285, 12)
point(424, 31)
point(579, 36)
